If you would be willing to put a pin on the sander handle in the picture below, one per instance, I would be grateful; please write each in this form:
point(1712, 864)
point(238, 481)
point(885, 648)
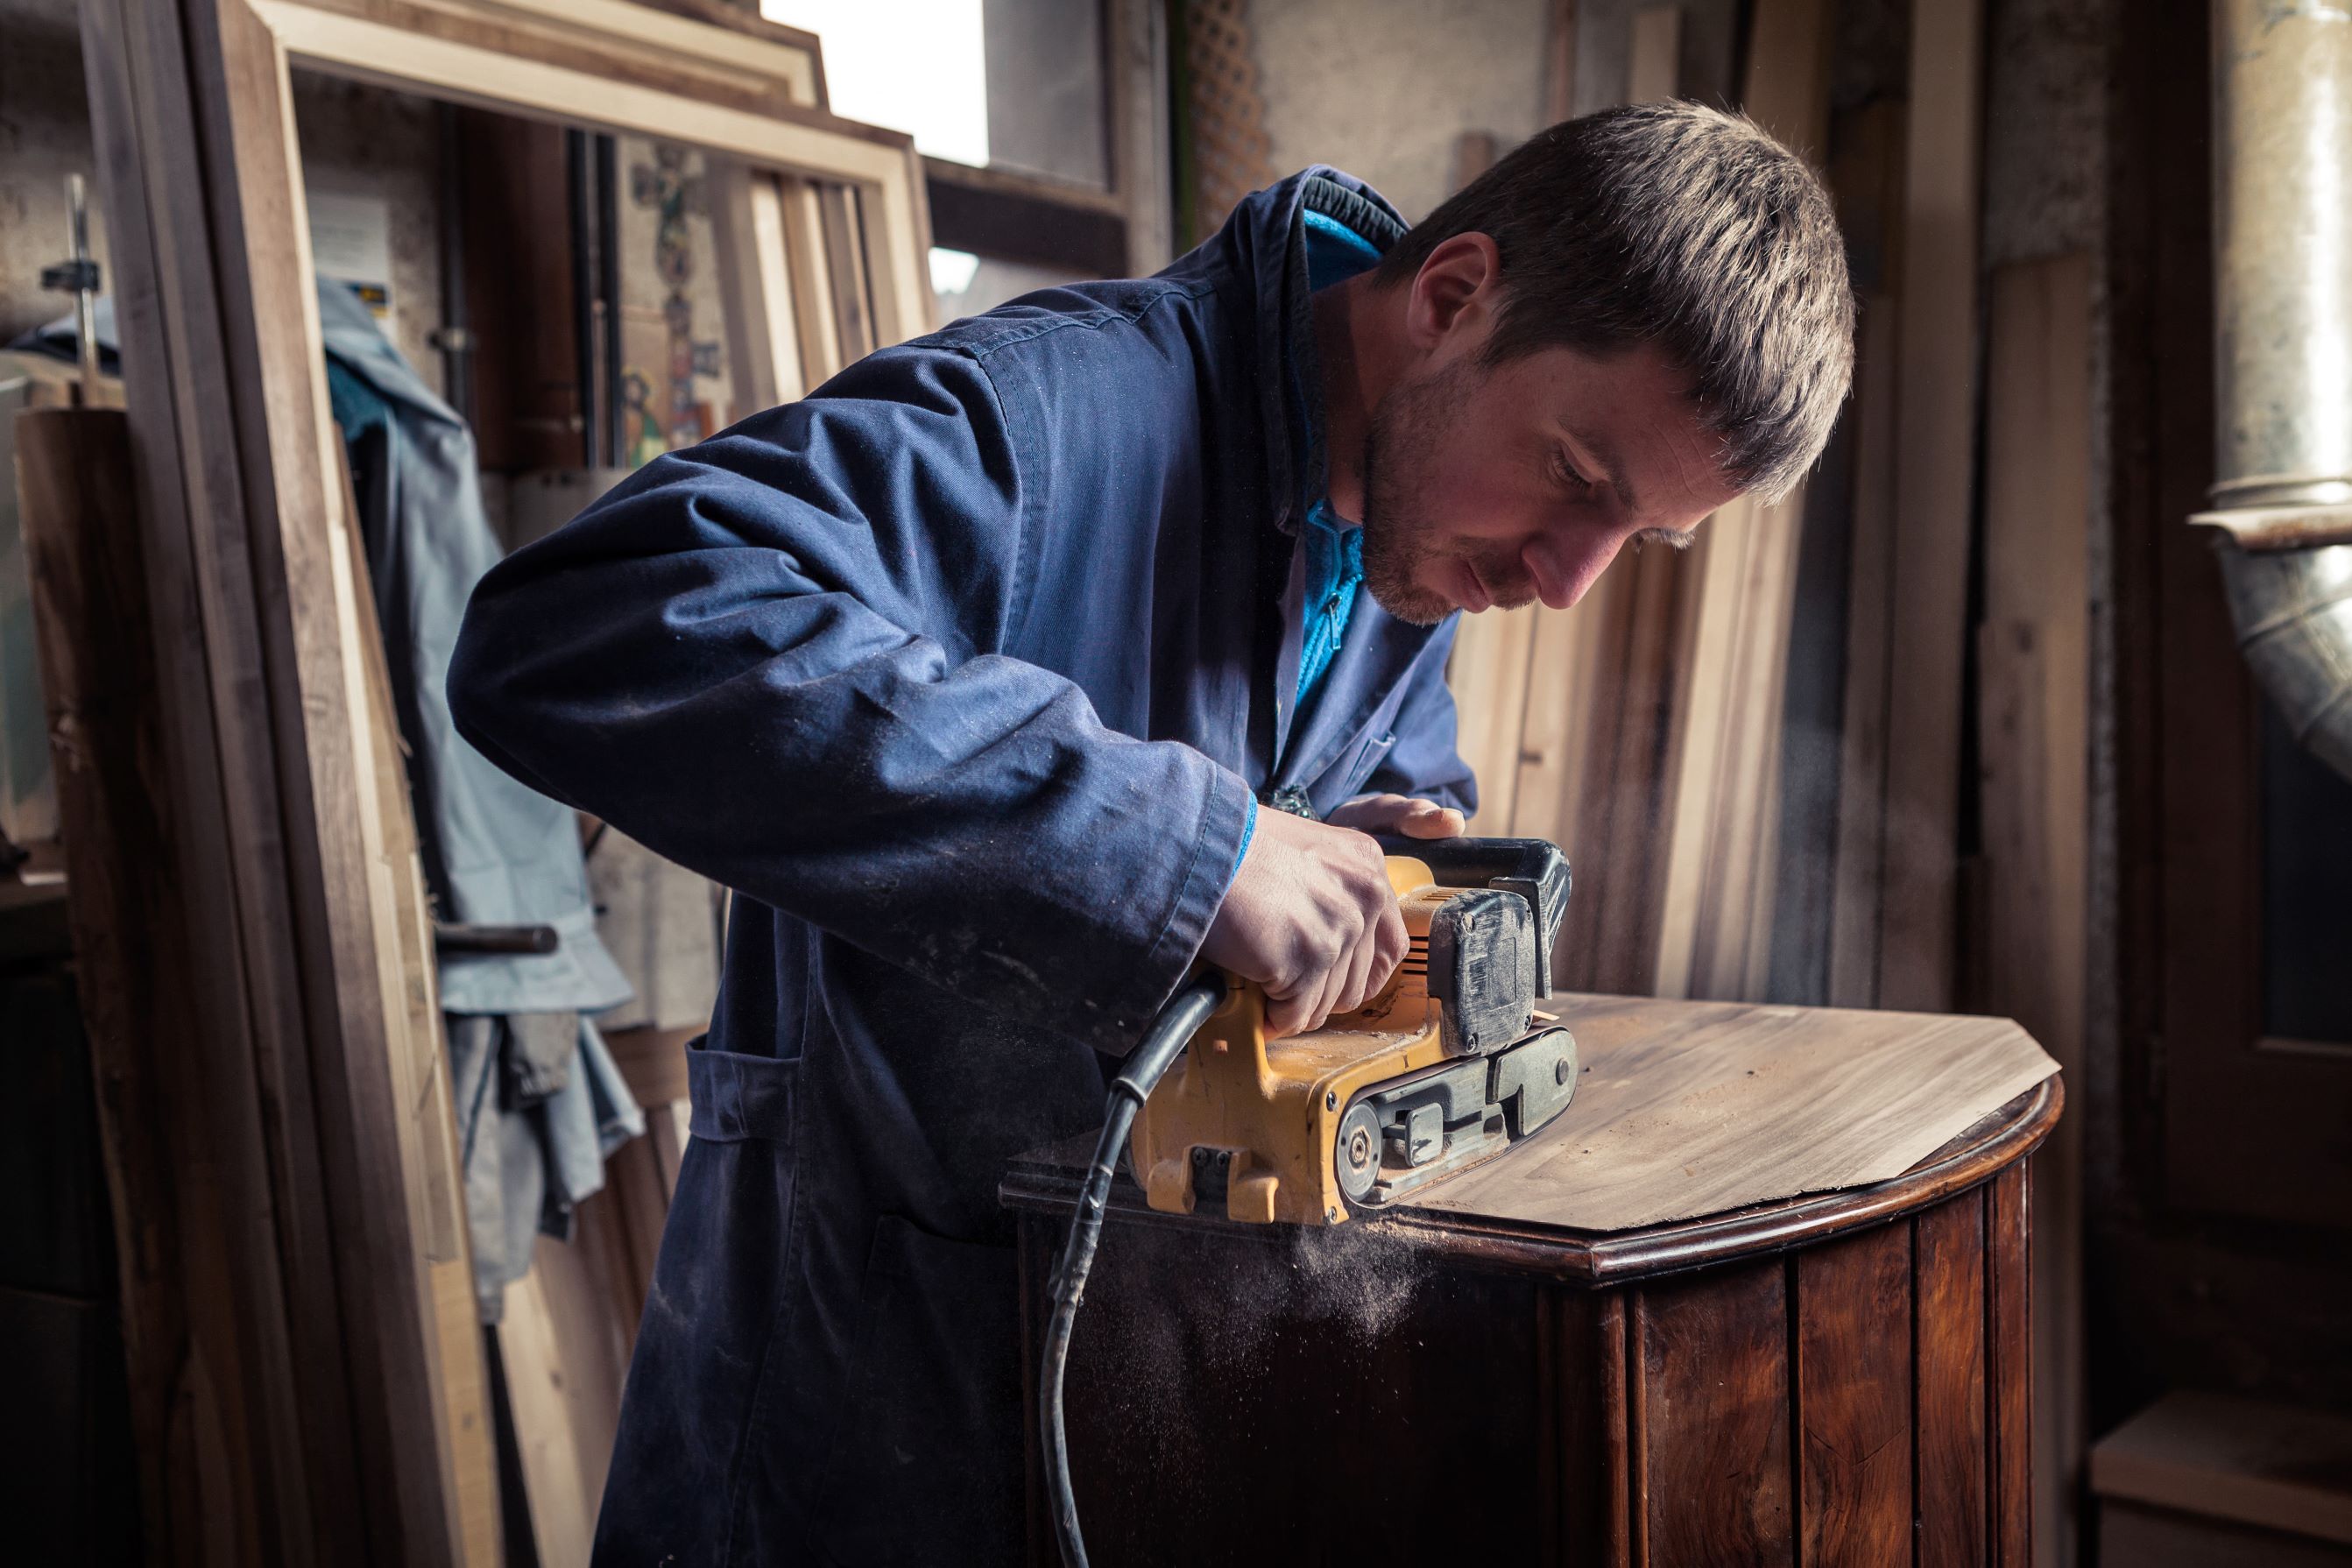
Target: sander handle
point(1532, 867)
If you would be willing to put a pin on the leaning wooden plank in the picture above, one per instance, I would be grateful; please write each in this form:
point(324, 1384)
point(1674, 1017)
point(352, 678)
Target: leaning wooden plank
point(269, 1373)
point(422, 1090)
point(1630, 691)
point(561, 1347)
point(1654, 71)
point(342, 938)
point(1866, 177)
point(2033, 729)
point(1860, 841)
point(755, 289)
point(802, 209)
point(96, 641)
point(1934, 493)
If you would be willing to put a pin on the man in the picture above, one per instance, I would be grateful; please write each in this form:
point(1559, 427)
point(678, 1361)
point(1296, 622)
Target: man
point(980, 674)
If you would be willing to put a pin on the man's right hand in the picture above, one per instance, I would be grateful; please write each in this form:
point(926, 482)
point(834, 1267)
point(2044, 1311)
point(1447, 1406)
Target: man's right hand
point(1311, 918)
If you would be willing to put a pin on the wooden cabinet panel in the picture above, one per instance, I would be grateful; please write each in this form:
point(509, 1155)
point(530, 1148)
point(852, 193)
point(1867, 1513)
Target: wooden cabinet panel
point(1710, 1410)
point(1947, 1264)
point(1852, 1309)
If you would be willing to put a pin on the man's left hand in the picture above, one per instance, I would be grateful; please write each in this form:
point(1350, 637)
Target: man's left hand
point(1399, 813)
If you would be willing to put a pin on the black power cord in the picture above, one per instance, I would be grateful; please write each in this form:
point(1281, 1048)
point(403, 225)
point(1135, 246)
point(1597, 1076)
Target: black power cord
point(1183, 1014)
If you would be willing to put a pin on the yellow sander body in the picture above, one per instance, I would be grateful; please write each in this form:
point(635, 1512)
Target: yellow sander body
point(1448, 1065)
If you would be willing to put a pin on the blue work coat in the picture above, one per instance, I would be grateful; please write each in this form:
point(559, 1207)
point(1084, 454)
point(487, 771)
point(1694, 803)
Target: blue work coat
point(960, 672)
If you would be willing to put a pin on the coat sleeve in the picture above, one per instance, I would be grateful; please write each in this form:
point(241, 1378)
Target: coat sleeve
point(768, 658)
point(1424, 763)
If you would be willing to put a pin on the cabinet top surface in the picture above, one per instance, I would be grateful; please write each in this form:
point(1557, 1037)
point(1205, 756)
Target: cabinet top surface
point(1703, 1130)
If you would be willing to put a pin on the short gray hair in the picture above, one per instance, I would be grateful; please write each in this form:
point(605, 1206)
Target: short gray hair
point(1681, 226)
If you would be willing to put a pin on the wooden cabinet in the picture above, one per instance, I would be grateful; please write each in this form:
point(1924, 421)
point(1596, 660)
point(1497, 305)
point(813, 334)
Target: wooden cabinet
point(1822, 1380)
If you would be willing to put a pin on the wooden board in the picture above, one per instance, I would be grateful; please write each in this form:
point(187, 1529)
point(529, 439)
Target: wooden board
point(1665, 1122)
point(1707, 1411)
point(1854, 1392)
point(1948, 1267)
point(2225, 1458)
point(1935, 477)
point(89, 599)
point(564, 1357)
point(424, 1090)
point(2034, 745)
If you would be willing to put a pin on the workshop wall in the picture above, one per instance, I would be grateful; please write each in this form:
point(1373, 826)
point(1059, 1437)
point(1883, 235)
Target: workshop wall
point(1377, 90)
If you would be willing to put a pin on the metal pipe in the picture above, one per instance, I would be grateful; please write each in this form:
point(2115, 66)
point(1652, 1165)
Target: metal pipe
point(86, 293)
point(2283, 279)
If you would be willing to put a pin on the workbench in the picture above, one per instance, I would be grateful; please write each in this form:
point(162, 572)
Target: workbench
point(1504, 1372)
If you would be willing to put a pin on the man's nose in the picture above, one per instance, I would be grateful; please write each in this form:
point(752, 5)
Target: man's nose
point(1563, 570)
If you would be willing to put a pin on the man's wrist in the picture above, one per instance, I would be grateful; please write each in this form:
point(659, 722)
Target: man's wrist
point(1249, 827)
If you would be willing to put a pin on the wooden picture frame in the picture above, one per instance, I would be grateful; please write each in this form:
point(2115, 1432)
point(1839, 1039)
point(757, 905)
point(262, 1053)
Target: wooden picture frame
point(287, 1317)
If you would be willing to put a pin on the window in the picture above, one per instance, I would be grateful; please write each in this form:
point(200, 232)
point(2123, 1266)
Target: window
point(1029, 115)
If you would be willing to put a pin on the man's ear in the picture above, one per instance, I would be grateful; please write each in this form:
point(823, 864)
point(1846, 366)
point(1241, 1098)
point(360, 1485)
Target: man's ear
point(1456, 291)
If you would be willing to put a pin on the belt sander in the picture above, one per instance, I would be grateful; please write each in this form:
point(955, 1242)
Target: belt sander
point(1445, 1067)
point(1448, 1065)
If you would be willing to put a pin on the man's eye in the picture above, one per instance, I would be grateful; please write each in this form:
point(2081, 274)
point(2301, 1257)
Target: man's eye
point(1565, 471)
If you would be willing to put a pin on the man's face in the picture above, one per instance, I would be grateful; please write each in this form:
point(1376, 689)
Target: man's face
point(1504, 484)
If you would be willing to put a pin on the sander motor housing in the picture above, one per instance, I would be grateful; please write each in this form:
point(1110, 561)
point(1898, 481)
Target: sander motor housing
point(1446, 1065)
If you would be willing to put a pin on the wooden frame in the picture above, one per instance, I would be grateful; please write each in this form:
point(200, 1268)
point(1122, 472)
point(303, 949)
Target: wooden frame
point(534, 73)
point(311, 1367)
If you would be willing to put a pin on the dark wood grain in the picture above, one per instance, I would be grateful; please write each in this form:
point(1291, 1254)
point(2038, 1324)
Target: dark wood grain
point(1714, 1420)
point(2008, 1358)
point(1851, 1306)
point(98, 677)
point(1947, 1274)
point(1591, 1481)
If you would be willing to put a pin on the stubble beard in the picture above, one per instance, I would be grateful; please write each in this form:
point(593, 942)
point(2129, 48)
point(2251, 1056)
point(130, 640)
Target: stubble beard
point(1408, 425)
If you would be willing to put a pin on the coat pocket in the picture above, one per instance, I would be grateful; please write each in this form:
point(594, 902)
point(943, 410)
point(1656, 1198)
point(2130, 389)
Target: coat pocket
point(928, 1465)
point(734, 1097)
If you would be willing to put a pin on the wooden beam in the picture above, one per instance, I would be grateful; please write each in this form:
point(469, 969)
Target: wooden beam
point(2033, 747)
point(1934, 500)
point(755, 286)
point(1860, 840)
point(89, 600)
point(1044, 223)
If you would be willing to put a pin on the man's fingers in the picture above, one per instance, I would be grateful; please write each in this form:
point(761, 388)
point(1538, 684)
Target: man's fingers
point(1283, 1015)
point(1427, 819)
point(1362, 962)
